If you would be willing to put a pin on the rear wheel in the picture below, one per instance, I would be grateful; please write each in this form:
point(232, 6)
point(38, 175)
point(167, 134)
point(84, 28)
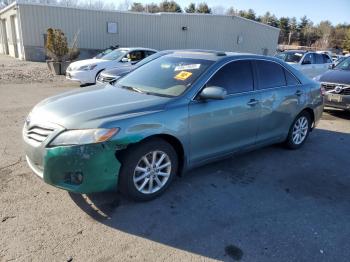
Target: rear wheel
point(299, 131)
point(147, 169)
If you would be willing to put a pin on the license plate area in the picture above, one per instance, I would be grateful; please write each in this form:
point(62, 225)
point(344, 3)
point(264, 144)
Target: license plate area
point(334, 98)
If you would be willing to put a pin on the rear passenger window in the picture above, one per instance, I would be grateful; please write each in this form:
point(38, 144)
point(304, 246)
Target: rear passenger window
point(270, 74)
point(235, 77)
point(291, 80)
point(319, 59)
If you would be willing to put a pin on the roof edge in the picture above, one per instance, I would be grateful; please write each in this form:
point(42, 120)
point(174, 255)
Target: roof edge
point(138, 13)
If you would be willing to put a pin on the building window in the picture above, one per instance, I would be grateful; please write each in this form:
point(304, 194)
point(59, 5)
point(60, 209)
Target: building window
point(112, 28)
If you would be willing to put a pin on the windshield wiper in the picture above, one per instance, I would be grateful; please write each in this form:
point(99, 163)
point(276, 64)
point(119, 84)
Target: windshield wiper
point(144, 92)
point(133, 89)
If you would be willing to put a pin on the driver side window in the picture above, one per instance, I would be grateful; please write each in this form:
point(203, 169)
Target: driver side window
point(135, 56)
point(235, 77)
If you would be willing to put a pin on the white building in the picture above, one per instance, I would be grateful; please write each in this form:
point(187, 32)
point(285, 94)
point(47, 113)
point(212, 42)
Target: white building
point(23, 27)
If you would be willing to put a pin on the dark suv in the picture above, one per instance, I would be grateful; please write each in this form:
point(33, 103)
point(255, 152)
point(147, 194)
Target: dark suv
point(336, 82)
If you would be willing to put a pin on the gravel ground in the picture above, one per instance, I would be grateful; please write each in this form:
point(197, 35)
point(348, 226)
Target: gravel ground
point(269, 205)
point(15, 71)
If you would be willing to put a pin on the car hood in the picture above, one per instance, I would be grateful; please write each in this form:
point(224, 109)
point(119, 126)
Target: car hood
point(77, 64)
point(336, 76)
point(94, 106)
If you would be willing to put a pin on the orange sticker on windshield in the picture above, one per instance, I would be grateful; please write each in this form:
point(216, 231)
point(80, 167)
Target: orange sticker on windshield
point(183, 75)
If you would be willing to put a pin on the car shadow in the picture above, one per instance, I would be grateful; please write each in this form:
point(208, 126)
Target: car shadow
point(337, 113)
point(246, 207)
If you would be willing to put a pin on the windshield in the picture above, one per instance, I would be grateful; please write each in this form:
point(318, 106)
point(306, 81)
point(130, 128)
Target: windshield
point(344, 65)
point(166, 76)
point(104, 53)
point(114, 55)
point(291, 57)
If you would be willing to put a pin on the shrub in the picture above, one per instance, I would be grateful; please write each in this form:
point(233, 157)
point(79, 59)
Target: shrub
point(56, 45)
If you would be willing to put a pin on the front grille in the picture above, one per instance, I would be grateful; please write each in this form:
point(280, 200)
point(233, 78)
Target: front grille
point(38, 134)
point(331, 88)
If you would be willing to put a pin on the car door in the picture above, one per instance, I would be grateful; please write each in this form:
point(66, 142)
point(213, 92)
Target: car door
point(307, 66)
point(281, 98)
point(218, 127)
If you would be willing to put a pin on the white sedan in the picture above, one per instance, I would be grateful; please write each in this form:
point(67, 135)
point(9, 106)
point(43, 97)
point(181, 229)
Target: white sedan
point(310, 63)
point(86, 71)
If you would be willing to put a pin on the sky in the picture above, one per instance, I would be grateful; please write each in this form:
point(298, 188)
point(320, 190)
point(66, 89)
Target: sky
point(336, 11)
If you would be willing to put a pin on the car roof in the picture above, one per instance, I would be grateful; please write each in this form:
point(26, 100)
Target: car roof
point(212, 54)
point(297, 51)
point(137, 48)
point(200, 53)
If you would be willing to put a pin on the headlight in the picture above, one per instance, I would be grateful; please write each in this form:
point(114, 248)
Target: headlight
point(84, 136)
point(86, 67)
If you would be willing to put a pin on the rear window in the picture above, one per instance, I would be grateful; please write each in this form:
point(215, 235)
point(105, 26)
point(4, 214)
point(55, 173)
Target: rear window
point(270, 74)
point(326, 59)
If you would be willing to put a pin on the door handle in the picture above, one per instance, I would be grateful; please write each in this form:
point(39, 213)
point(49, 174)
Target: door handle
point(252, 102)
point(299, 92)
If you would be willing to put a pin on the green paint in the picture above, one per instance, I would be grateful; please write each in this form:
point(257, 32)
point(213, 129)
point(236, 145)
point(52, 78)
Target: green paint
point(97, 163)
point(128, 140)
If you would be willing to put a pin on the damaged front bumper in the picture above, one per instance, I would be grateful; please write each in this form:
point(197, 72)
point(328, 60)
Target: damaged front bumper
point(79, 168)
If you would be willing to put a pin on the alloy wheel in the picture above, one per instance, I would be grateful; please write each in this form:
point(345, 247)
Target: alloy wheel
point(152, 172)
point(300, 130)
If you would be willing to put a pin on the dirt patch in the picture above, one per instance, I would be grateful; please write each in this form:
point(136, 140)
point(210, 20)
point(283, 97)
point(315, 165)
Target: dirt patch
point(15, 71)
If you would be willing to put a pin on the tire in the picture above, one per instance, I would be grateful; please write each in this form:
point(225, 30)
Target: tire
point(294, 141)
point(98, 73)
point(135, 175)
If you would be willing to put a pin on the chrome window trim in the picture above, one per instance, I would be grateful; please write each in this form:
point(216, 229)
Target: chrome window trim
point(254, 89)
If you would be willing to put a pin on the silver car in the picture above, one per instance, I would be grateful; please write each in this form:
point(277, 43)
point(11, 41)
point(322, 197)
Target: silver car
point(174, 113)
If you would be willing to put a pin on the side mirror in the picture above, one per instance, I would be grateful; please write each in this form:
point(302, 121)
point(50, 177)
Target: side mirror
point(213, 92)
point(125, 60)
point(306, 62)
point(331, 66)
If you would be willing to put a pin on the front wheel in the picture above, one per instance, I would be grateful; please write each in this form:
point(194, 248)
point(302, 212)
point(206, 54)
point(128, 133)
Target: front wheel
point(299, 131)
point(147, 169)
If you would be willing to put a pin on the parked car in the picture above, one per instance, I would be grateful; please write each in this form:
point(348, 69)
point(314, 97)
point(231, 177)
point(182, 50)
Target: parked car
point(310, 63)
point(176, 112)
point(336, 83)
point(86, 71)
point(111, 75)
